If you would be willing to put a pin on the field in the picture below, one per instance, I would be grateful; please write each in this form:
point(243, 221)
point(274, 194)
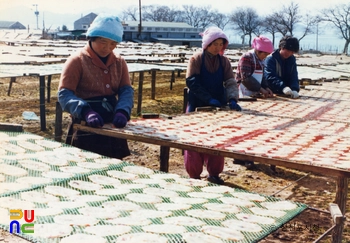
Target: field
point(314, 190)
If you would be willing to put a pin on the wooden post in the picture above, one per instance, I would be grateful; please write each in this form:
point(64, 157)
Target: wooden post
point(340, 200)
point(164, 158)
point(12, 80)
point(178, 73)
point(42, 103)
point(172, 80)
point(153, 84)
point(58, 123)
point(48, 88)
point(132, 79)
point(139, 98)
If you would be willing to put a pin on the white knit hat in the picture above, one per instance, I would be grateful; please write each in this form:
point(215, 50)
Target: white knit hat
point(210, 35)
point(107, 26)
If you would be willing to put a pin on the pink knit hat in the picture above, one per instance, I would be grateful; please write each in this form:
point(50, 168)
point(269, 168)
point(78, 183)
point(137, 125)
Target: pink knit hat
point(262, 43)
point(210, 35)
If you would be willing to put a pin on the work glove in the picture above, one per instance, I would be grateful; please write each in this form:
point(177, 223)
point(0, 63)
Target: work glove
point(287, 91)
point(119, 120)
point(93, 119)
point(214, 102)
point(234, 106)
point(295, 94)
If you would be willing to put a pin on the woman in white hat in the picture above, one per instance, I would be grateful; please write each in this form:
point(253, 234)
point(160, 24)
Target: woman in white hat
point(95, 87)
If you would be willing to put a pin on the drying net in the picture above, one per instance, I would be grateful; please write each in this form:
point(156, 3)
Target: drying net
point(76, 193)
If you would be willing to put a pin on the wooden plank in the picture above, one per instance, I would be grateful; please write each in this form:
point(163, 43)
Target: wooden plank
point(215, 151)
point(11, 127)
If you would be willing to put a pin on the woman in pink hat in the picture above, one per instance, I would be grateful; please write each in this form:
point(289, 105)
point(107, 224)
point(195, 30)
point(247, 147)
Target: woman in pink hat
point(211, 82)
point(249, 75)
point(249, 72)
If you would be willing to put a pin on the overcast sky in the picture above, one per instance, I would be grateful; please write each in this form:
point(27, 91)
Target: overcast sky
point(57, 13)
point(224, 6)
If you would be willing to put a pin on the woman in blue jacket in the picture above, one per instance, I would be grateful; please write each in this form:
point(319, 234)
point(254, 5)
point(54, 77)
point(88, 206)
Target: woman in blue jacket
point(280, 70)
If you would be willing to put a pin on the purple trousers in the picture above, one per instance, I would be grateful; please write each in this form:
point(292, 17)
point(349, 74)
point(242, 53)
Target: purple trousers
point(194, 162)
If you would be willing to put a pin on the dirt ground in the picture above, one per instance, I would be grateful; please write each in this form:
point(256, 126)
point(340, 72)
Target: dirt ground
point(314, 190)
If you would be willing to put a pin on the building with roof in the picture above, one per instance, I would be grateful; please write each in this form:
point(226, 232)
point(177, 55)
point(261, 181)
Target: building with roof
point(12, 25)
point(172, 33)
point(84, 22)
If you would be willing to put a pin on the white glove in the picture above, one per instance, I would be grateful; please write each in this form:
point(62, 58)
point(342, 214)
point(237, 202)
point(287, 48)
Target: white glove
point(287, 91)
point(295, 94)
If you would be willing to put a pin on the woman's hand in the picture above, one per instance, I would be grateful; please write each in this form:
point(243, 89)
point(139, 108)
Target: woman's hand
point(266, 93)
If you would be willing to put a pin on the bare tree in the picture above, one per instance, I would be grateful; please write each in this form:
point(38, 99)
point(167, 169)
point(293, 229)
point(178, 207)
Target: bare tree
point(269, 25)
point(159, 13)
point(290, 17)
point(280, 23)
point(131, 13)
point(220, 20)
point(198, 17)
point(340, 17)
point(247, 22)
point(309, 23)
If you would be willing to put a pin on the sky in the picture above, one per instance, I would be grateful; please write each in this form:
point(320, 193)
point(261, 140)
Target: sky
point(224, 6)
point(57, 13)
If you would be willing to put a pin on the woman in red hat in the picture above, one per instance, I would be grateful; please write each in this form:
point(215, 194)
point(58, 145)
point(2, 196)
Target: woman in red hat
point(249, 72)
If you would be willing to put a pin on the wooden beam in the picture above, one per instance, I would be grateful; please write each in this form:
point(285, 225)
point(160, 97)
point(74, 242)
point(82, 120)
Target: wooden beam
point(215, 151)
point(164, 158)
point(172, 79)
point(42, 103)
point(11, 127)
point(139, 98)
point(12, 80)
point(48, 87)
point(153, 84)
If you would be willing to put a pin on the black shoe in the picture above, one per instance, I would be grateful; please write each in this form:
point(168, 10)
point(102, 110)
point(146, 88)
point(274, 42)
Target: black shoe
point(249, 165)
point(239, 161)
point(216, 180)
point(273, 168)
